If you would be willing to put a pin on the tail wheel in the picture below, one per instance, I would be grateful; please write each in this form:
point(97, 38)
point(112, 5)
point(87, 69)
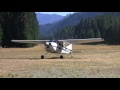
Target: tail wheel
point(42, 57)
point(61, 57)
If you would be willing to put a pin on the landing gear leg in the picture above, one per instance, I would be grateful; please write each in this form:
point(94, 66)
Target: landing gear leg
point(71, 55)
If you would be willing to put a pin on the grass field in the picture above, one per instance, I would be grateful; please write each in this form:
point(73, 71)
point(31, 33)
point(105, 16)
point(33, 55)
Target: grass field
point(89, 61)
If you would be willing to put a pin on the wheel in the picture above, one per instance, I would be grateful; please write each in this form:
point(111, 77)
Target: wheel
point(42, 57)
point(61, 57)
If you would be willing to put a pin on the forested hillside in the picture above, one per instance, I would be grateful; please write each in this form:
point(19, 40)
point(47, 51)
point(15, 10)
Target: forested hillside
point(69, 20)
point(19, 26)
point(105, 26)
point(47, 18)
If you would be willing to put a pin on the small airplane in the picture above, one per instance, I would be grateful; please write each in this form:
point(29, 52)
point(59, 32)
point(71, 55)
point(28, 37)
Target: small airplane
point(59, 46)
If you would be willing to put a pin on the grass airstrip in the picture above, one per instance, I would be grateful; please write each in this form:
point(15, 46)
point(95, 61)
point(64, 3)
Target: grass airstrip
point(88, 61)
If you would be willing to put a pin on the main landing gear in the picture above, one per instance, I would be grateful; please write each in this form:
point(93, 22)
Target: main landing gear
point(42, 56)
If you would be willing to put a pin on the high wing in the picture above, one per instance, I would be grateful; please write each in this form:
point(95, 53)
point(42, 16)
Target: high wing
point(80, 41)
point(31, 41)
point(73, 41)
point(36, 41)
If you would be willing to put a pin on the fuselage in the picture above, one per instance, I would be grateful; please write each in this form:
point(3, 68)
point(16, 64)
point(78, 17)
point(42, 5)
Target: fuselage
point(56, 47)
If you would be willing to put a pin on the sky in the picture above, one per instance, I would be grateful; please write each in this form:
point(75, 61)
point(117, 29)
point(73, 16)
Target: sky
point(59, 13)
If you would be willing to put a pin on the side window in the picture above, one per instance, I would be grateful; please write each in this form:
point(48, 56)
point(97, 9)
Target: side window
point(60, 44)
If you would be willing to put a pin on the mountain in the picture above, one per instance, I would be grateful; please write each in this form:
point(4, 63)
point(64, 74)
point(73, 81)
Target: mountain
point(47, 18)
point(69, 20)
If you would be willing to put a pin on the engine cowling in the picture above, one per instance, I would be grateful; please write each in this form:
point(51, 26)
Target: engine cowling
point(47, 44)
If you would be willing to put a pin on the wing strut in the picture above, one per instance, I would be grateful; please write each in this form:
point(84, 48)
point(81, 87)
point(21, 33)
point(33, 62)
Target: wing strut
point(42, 46)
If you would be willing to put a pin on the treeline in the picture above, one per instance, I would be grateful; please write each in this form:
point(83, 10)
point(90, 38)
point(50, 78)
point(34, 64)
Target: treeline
point(105, 26)
point(69, 20)
point(18, 26)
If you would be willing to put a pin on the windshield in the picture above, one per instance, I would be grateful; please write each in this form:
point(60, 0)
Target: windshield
point(54, 41)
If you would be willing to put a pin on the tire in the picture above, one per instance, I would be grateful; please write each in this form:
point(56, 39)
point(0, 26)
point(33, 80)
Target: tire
point(42, 57)
point(61, 57)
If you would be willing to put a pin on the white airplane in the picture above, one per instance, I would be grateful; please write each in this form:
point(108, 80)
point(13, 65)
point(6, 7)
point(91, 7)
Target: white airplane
point(59, 46)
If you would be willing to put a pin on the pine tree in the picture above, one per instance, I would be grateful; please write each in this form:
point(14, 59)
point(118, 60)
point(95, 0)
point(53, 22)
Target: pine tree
point(19, 26)
point(1, 33)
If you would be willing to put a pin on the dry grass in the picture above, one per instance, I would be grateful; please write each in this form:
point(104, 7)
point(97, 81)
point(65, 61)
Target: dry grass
point(89, 61)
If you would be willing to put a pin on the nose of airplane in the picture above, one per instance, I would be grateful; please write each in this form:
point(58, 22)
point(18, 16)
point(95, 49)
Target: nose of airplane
point(48, 43)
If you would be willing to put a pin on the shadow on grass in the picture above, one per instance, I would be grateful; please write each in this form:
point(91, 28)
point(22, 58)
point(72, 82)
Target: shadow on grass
point(53, 58)
point(20, 58)
point(43, 59)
